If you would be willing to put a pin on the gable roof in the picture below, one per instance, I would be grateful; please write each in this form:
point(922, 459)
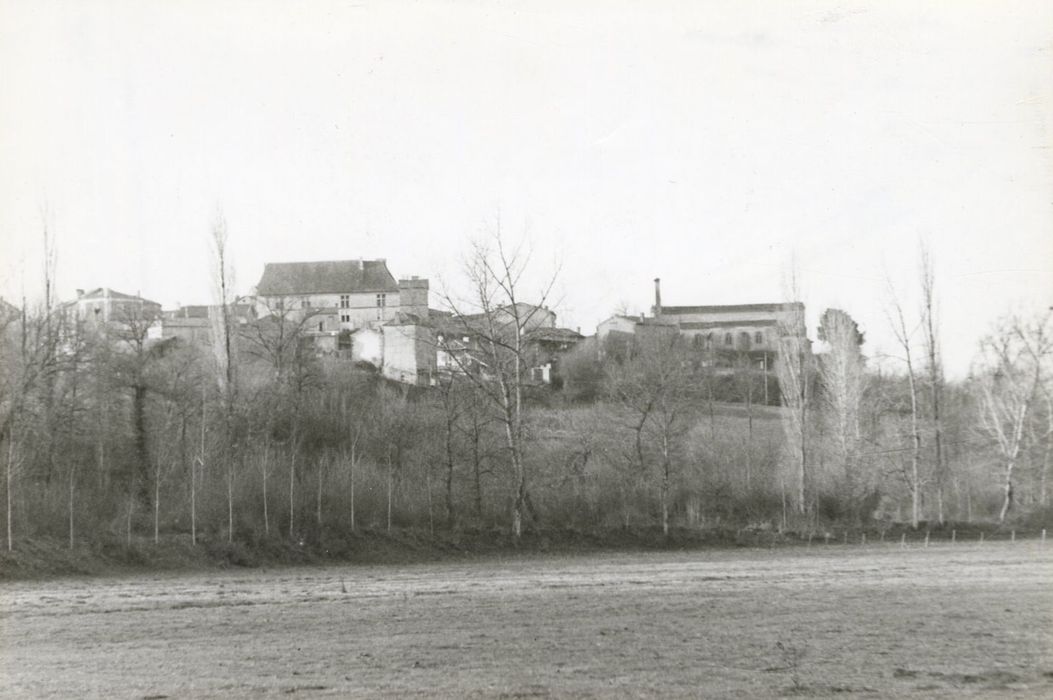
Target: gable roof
point(106, 293)
point(326, 276)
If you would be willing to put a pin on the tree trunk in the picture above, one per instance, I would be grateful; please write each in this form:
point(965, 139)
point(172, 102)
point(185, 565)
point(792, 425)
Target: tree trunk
point(390, 485)
point(353, 487)
point(431, 516)
point(666, 468)
point(292, 490)
point(72, 477)
point(318, 502)
point(266, 516)
point(131, 507)
point(478, 469)
point(142, 454)
point(230, 502)
point(749, 440)
point(1007, 490)
point(450, 516)
point(9, 482)
point(157, 503)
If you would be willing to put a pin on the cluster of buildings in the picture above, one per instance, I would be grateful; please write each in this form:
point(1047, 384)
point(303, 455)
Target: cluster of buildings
point(356, 310)
point(729, 336)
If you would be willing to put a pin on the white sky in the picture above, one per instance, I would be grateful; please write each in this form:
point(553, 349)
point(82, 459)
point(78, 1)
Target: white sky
point(708, 143)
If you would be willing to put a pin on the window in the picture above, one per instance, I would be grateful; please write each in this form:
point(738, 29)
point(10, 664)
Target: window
point(345, 318)
point(321, 326)
point(382, 300)
point(305, 303)
point(345, 301)
point(727, 339)
point(758, 338)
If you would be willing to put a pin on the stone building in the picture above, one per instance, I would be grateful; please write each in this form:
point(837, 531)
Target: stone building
point(339, 294)
point(337, 301)
point(725, 335)
point(194, 323)
point(105, 306)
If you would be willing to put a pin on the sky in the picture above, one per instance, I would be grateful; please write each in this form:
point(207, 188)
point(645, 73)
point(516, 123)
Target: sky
point(716, 145)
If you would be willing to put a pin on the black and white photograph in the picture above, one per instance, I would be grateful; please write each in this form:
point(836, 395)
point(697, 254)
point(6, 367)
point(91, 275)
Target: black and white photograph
point(526, 349)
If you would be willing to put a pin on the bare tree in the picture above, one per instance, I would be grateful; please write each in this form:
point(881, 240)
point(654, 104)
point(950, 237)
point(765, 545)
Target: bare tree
point(1008, 381)
point(904, 337)
point(653, 387)
point(497, 360)
point(794, 371)
point(225, 354)
point(934, 368)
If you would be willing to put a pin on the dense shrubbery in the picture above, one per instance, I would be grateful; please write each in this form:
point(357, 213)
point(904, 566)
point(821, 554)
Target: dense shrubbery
point(253, 438)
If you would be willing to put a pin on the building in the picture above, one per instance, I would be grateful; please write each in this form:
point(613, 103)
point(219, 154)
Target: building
point(726, 335)
point(339, 294)
point(547, 347)
point(461, 340)
point(409, 351)
point(104, 305)
point(194, 323)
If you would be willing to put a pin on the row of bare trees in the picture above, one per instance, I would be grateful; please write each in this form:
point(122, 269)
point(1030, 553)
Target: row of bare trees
point(106, 431)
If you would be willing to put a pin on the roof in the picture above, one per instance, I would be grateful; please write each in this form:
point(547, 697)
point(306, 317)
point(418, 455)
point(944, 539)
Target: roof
point(555, 335)
point(205, 311)
point(695, 325)
point(732, 308)
point(107, 293)
point(327, 276)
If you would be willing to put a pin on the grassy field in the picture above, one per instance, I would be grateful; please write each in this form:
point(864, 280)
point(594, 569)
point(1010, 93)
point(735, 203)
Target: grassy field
point(946, 621)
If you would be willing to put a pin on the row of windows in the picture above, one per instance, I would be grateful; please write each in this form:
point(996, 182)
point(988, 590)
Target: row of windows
point(729, 340)
point(345, 302)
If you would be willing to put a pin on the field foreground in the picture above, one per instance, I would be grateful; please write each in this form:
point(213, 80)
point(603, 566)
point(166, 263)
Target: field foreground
point(946, 621)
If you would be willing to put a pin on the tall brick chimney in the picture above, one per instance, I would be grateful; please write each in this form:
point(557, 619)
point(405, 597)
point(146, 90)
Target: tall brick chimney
point(657, 296)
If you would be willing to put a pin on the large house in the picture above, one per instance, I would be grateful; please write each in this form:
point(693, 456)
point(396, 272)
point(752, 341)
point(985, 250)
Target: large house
point(355, 309)
point(104, 307)
point(339, 295)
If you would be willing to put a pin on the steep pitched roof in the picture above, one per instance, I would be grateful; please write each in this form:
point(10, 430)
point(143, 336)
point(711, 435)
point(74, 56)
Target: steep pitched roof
point(327, 276)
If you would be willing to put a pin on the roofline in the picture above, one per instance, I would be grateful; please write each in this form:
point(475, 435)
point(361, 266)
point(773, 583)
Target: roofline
point(705, 325)
point(782, 306)
point(369, 290)
point(318, 262)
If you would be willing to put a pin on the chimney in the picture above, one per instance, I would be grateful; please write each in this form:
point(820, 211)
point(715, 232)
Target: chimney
point(80, 293)
point(657, 296)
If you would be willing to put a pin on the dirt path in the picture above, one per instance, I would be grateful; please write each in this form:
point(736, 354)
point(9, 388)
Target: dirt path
point(944, 621)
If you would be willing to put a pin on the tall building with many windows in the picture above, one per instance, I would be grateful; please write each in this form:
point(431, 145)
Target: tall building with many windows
point(338, 295)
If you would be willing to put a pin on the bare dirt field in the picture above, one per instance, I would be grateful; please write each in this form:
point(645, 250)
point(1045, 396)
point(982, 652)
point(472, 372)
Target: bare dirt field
point(946, 621)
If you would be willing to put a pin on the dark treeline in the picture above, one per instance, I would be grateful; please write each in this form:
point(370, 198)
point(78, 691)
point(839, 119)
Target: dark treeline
point(106, 432)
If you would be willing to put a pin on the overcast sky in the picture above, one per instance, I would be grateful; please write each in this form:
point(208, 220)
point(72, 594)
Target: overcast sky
point(706, 143)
